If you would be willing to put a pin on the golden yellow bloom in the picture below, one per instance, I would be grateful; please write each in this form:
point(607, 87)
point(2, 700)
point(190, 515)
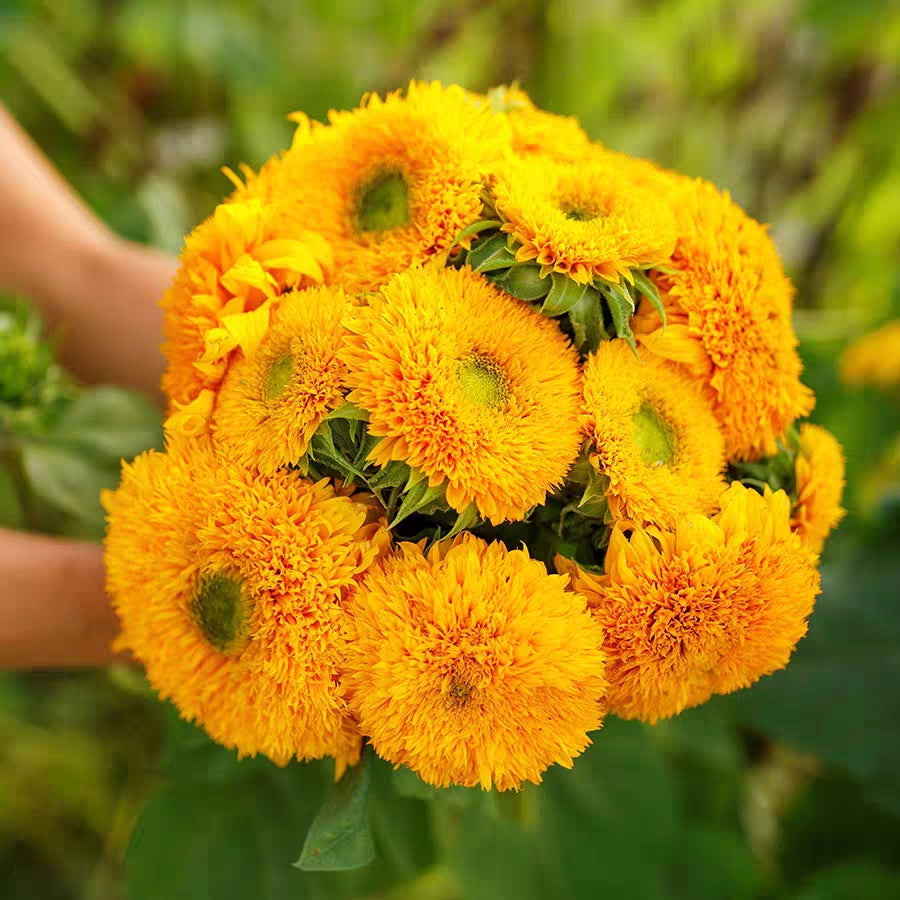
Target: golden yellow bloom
point(469, 386)
point(874, 358)
point(231, 589)
point(536, 132)
point(392, 184)
point(820, 486)
point(233, 267)
point(654, 436)
point(585, 221)
point(728, 305)
point(706, 608)
point(472, 665)
point(271, 402)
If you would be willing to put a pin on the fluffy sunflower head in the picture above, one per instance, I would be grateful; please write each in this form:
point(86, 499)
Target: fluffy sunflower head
point(469, 386)
point(393, 183)
point(233, 267)
point(472, 665)
point(706, 608)
point(874, 358)
point(653, 435)
point(536, 132)
point(819, 473)
point(728, 305)
point(231, 589)
point(272, 400)
point(585, 221)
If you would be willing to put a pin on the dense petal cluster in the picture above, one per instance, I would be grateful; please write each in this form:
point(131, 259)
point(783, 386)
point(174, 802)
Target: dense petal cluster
point(472, 665)
point(442, 341)
point(728, 305)
point(585, 221)
point(819, 474)
point(234, 600)
point(469, 386)
point(272, 400)
point(705, 608)
point(392, 184)
point(653, 436)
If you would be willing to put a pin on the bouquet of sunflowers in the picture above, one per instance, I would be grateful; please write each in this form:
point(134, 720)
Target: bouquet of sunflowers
point(478, 431)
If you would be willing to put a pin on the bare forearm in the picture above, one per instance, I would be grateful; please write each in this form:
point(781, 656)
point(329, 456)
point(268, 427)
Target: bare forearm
point(97, 291)
point(54, 612)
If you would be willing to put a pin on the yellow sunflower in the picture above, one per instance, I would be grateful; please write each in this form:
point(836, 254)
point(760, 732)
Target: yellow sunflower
point(472, 665)
point(585, 221)
point(536, 132)
point(392, 184)
point(819, 472)
point(706, 608)
point(728, 306)
point(271, 401)
point(469, 386)
point(874, 358)
point(231, 589)
point(653, 435)
point(233, 267)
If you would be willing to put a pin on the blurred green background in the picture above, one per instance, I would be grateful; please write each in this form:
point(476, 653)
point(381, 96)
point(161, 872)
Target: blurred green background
point(788, 790)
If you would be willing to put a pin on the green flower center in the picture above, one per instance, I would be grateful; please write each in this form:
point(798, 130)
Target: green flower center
point(383, 203)
point(278, 377)
point(580, 215)
point(221, 610)
point(653, 436)
point(482, 380)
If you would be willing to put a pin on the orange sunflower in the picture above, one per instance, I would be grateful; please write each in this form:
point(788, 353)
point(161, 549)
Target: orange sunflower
point(653, 436)
point(393, 183)
point(728, 305)
point(585, 221)
point(706, 608)
point(469, 386)
point(819, 471)
point(231, 589)
point(271, 401)
point(472, 665)
point(233, 268)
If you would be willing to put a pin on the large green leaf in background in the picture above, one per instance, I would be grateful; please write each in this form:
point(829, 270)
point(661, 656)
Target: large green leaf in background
point(838, 697)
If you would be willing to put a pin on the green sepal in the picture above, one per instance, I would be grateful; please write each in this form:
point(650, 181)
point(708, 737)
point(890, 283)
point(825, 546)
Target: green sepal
point(491, 254)
point(348, 411)
point(524, 282)
point(586, 317)
point(475, 229)
point(649, 291)
point(621, 307)
point(564, 294)
point(466, 520)
point(323, 449)
point(339, 837)
point(420, 498)
point(395, 474)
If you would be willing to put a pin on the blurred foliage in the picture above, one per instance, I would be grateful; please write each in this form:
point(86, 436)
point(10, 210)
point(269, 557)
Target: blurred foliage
point(788, 791)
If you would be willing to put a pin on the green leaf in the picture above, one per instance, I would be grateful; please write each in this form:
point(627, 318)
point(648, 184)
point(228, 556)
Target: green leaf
point(621, 307)
point(350, 411)
point(474, 229)
point(110, 422)
point(524, 282)
point(419, 498)
point(833, 698)
point(852, 881)
point(68, 481)
point(491, 254)
point(586, 317)
point(465, 521)
point(649, 291)
point(339, 837)
point(224, 841)
point(563, 296)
